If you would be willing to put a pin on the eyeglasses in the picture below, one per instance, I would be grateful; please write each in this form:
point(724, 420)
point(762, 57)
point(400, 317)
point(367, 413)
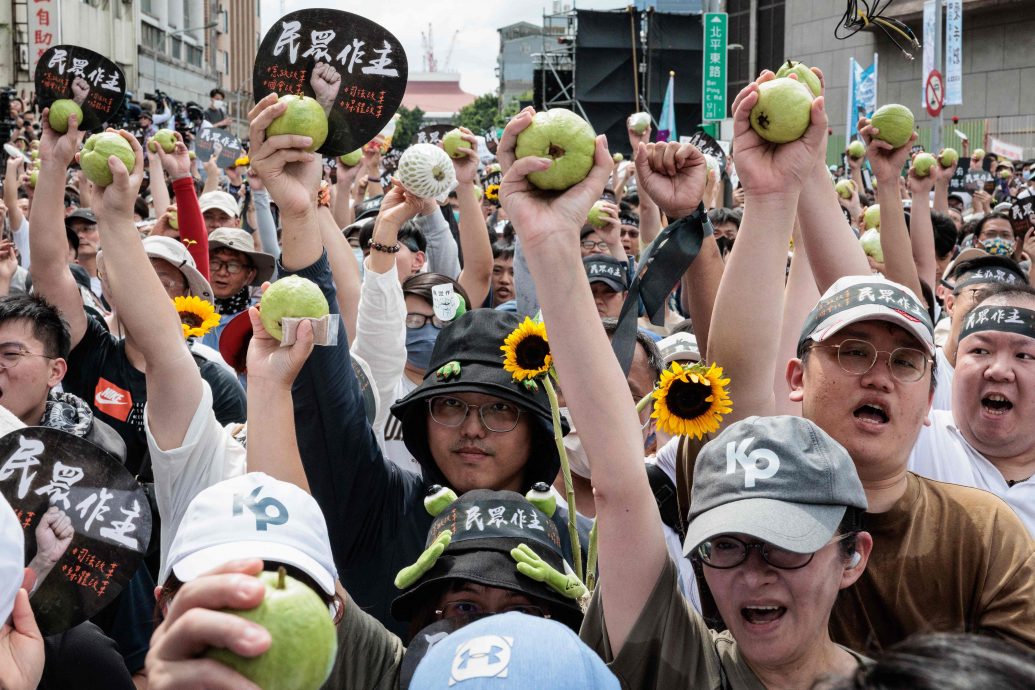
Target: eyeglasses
point(629, 233)
point(857, 357)
point(414, 320)
point(975, 293)
point(458, 609)
point(724, 552)
point(496, 416)
point(9, 359)
point(590, 245)
point(232, 267)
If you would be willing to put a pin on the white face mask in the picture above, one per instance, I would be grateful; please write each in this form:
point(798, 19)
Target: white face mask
point(577, 460)
point(218, 105)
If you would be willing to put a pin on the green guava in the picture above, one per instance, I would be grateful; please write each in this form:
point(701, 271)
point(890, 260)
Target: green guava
point(291, 297)
point(783, 111)
point(164, 138)
point(949, 157)
point(304, 645)
point(845, 189)
point(34, 155)
point(639, 122)
point(352, 158)
point(34, 175)
point(191, 155)
point(856, 150)
point(304, 116)
point(871, 217)
point(94, 157)
point(979, 154)
point(894, 123)
point(453, 142)
point(618, 158)
point(59, 112)
point(923, 163)
point(174, 220)
point(870, 241)
point(597, 217)
point(1005, 174)
point(805, 75)
point(564, 137)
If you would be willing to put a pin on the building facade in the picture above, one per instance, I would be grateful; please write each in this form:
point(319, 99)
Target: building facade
point(518, 42)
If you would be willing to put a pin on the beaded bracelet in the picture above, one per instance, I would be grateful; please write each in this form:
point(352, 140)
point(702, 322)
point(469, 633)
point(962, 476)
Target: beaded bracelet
point(377, 246)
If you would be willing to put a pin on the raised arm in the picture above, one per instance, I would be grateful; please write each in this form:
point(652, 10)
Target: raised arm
point(632, 544)
point(799, 297)
point(942, 178)
point(745, 328)
point(159, 190)
point(887, 163)
point(344, 215)
point(650, 214)
point(11, 183)
point(343, 267)
point(474, 240)
point(611, 233)
point(193, 232)
point(174, 388)
point(292, 177)
point(921, 227)
point(49, 244)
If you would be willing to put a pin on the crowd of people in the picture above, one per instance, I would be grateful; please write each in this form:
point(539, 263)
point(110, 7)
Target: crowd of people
point(466, 475)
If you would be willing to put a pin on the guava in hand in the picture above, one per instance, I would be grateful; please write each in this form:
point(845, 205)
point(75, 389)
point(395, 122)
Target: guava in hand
point(922, 164)
point(305, 117)
point(638, 122)
point(96, 151)
point(894, 124)
point(870, 241)
point(352, 158)
point(564, 137)
point(845, 189)
point(304, 645)
point(856, 150)
point(59, 112)
point(164, 138)
point(871, 217)
point(948, 157)
point(783, 111)
point(291, 297)
point(598, 217)
point(805, 75)
point(453, 143)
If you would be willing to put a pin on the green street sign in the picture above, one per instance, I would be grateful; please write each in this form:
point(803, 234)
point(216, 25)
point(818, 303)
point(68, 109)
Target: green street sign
point(713, 89)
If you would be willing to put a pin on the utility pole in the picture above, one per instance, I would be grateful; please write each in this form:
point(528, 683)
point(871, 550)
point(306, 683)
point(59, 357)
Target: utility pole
point(939, 23)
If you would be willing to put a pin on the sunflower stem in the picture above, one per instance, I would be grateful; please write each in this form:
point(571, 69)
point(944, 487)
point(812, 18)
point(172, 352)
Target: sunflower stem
point(591, 559)
point(644, 401)
point(569, 490)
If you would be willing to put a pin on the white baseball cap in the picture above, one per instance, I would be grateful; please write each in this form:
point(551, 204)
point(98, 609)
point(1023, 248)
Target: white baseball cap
point(252, 516)
point(12, 558)
point(219, 200)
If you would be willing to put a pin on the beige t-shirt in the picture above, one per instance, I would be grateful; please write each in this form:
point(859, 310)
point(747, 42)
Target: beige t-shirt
point(670, 647)
point(946, 558)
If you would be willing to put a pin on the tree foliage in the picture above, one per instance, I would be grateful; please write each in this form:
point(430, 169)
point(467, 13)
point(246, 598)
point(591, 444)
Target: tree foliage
point(481, 115)
point(407, 127)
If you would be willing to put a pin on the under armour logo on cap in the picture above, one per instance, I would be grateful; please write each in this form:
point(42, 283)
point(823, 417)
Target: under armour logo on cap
point(736, 453)
point(487, 656)
point(261, 509)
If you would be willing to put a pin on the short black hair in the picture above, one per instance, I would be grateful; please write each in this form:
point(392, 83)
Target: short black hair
point(654, 358)
point(1008, 291)
point(217, 90)
point(984, 221)
point(725, 215)
point(944, 234)
point(502, 250)
point(140, 207)
point(409, 234)
point(986, 262)
point(47, 325)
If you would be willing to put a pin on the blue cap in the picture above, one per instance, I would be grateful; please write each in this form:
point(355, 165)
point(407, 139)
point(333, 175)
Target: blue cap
point(512, 650)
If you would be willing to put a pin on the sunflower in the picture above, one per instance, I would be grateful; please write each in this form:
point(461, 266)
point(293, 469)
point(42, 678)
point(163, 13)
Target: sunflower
point(492, 192)
point(527, 351)
point(691, 401)
point(197, 316)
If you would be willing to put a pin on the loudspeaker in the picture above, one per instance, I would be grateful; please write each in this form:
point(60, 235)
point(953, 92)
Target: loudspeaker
point(675, 42)
point(547, 86)
point(604, 66)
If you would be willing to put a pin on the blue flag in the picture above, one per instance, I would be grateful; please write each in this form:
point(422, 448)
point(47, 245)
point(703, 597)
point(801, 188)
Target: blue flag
point(667, 121)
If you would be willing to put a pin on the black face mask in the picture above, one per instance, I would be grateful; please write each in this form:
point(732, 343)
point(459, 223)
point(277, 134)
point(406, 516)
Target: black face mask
point(725, 245)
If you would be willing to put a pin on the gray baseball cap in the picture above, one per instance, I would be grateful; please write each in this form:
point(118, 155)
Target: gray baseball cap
point(779, 479)
point(602, 268)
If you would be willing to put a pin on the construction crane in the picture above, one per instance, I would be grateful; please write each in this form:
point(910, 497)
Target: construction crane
point(428, 43)
point(447, 65)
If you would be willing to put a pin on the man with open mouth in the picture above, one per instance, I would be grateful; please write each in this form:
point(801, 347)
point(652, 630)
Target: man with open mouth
point(987, 440)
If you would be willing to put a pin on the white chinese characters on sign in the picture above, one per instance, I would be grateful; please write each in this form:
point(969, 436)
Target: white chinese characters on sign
point(352, 52)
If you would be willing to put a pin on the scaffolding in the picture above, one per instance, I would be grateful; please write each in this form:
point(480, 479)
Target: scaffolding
point(555, 65)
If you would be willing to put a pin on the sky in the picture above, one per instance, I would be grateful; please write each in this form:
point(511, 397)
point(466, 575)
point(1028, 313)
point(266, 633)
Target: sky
point(477, 43)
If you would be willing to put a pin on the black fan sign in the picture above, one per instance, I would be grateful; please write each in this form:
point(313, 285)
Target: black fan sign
point(210, 137)
point(355, 69)
point(93, 81)
point(87, 522)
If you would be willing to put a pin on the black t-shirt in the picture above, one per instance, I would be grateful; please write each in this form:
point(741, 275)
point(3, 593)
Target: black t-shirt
point(99, 372)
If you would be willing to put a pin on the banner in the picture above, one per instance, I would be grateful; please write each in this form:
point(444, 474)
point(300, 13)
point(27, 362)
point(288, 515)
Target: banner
point(44, 29)
point(953, 52)
point(862, 93)
point(1002, 148)
point(667, 121)
point(930, 28)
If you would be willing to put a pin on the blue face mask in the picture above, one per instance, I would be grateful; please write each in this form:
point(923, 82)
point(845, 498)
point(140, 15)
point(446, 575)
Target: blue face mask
point(419, 344)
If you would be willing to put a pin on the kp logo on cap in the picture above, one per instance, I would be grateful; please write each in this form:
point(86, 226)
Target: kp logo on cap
point(487, 656)
point(260, 509)
point(737, 454)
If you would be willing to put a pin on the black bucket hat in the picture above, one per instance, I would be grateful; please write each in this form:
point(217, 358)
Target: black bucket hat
point(480, 552)
point(474, 340)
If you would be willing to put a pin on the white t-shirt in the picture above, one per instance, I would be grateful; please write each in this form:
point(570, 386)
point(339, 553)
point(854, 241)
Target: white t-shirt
point(943, 388)
point(208, 455)
point(943, 454)
point(666, 460)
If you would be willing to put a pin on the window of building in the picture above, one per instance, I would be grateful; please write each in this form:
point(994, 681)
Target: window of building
point(194, 55)
point(769, 46)
point(152, 37)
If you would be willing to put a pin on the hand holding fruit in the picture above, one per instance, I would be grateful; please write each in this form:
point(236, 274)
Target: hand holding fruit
point(196, 620)
point(58, 149)
point(603, 217)
point(175, 159)
point(461, 146)
point(167, 224)
point(290, 172)
point(673, 175)
point(268, 361)
point(638, 126)
point(117, 194)
point(542, 216)
point(765, 168)
point(885, 160)
point(397, 207)
point(8, 261)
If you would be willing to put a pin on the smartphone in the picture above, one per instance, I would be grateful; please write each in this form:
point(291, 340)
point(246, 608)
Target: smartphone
point(990, 186)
